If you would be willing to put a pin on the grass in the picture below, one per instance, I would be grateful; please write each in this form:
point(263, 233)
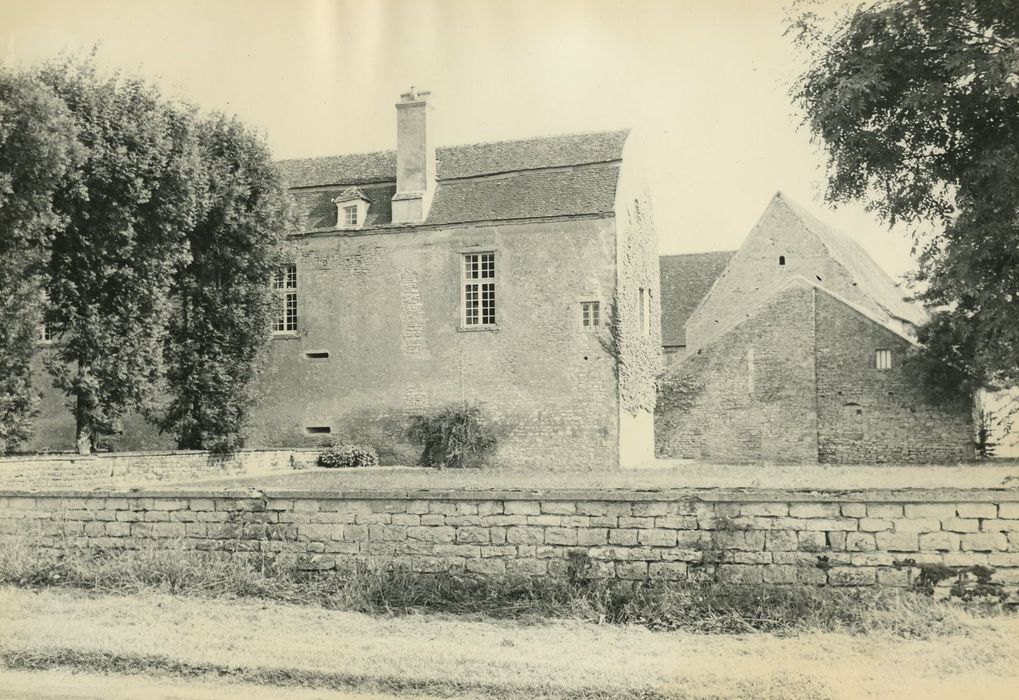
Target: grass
point(666, 474)
point(372, 587)
point(179, 637)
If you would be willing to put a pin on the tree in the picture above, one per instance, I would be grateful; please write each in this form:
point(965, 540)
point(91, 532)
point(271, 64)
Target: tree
point(917, 104)
point(223, 302)
point(37, 149)
point(126, 211)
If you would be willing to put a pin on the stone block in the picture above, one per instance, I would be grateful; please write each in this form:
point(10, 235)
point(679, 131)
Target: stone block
point(836, 541)
point(939, 542)
point(560, 536)
point(420, 507)
point(860, 542)
point(525, 535)
point(977, 510)
point(872, 559)
point(484, 508)
point(650, 508)
point(984, 542)
point(638, 522)
point(624, 537)
point(588, 536)
point(812, 541)
point(814, 510)
point(781, 541)
point(498, 535)
point(854, 510)
point(960, 525)
point(473, 535)
point(874, 525)
point(780, 573)
point(522, 508)
point(770, 509)
point(527, 567)
point(575, 521)
point(831, 524)
point(433, 519)
point(631, 570)
point(898, 541)
point(502, 550)
point(373, 519)
point(811, 574)
point(168, 504)
point(676, 522)
point(739, 573)
point(884, 510)
point(887, 576)
point(669, 571)
point(545, 520)
point(209, 504)
point(355, 533)
point(740, 557)
point(488, 567)
point(657, 538)
point(916, 525)
point(1009, 511)
point(933, 511)
point(999, 525)
point(406, 519)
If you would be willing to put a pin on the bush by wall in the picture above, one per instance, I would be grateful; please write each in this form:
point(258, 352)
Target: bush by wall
point(341, 456)
point(457, 436)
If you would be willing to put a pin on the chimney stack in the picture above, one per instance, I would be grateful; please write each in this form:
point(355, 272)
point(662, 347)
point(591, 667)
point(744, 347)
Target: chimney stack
point(415, 159)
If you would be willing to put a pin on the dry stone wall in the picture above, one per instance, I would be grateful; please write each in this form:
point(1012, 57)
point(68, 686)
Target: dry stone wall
point(860, 538)
point(140, 468)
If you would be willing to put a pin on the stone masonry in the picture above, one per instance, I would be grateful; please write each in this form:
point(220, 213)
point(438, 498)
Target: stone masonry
point(849, 538)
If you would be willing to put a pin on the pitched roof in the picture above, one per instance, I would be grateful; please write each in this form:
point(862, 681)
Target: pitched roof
point(867, 274)
point(685, 280)
point(568, 175)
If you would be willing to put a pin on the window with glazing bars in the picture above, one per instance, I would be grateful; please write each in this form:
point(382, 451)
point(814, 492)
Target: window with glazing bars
point(590, 314)
point(285, 284)
point(883, 359)
point(479, 289)
point(350, 215)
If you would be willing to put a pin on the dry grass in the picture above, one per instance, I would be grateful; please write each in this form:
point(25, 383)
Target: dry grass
point(373, 587)
point(284, 645)
point(664, 474)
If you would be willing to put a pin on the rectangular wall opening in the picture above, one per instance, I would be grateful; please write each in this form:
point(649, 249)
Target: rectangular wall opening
point(317, 429)
point(317, 355)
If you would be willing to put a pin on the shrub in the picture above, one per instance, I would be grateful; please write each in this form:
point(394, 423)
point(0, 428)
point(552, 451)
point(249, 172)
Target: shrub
point(456, 436)
point(339, 456)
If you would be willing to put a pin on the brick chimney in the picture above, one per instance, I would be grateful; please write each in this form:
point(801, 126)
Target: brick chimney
point(415, 159)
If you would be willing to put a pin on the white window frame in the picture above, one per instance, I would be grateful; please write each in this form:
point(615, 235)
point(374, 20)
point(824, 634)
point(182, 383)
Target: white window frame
point(478, 285)
point(284, 283)
point(590, 314)
point(350, 215)
point(883, 359)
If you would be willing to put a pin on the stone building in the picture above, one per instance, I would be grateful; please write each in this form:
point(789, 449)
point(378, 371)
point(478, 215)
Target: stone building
point(793, 349)
point(488, 272)
point(520, 274)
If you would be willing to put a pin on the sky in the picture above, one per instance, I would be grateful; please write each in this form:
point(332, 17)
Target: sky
point(704, 83)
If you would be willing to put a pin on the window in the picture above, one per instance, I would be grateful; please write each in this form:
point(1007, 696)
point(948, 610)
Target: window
point(45, 333)
point(781, 260)
point(883, 359)
point(590, 314)
point(479, 290)
point(285, 284)
point(350, 215)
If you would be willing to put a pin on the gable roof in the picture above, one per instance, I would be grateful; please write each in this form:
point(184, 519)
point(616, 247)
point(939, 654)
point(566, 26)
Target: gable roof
point(867, 274)
point(567, 175)
point(685, 280)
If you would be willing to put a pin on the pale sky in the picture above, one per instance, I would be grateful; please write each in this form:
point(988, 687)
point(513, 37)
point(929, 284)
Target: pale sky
point(704, 82)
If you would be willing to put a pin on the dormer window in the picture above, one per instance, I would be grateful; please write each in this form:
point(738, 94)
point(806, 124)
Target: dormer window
point(351, 208)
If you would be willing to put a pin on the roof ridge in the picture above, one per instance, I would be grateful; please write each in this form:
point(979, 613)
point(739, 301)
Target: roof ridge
point(703, 252)
point(539, 137)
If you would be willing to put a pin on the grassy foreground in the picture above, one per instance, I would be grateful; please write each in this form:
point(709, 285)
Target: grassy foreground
point(194, 640)
point(372, 587)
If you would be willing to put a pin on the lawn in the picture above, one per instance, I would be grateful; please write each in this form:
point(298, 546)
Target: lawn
point(664, 474)
point(158, 638)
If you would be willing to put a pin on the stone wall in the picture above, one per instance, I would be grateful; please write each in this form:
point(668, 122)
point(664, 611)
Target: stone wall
point(385, 307)
point(868, 416)
point(846, 538)
point(750, 395)
point(139, 468)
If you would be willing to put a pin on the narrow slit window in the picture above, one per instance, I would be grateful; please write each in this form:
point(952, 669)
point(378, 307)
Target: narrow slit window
point(479, 290)
point(590, 314)
point(318, 430)
point(781, 260)
point(883, 359)
point(285, 285)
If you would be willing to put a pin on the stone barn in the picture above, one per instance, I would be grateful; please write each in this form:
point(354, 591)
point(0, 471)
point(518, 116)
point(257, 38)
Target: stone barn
point(795, 350)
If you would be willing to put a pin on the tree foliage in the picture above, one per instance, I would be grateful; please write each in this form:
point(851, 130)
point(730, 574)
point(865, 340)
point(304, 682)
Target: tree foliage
point(37, 149)
point(126, 210)
point(223, 305)
point(916, 103)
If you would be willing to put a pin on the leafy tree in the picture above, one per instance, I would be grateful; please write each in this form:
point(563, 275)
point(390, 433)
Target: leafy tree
point(223, 303)
point(37, 148)
point(917, 105)
point(126, 211)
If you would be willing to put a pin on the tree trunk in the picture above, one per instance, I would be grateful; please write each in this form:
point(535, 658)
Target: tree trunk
point(83, 436)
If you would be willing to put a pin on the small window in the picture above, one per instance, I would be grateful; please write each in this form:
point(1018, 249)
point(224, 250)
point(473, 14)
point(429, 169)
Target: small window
point(590, 314)
point(318, 429)
point(883, 359)
point(781, 260)
point(285, 285)
point(645, 311)
point(478, 290)
point(45, 333)
point(350, 215)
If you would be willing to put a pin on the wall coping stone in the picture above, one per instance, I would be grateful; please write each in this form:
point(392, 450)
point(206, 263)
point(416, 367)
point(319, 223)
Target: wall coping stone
point(75, 457)
point(739, 495)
